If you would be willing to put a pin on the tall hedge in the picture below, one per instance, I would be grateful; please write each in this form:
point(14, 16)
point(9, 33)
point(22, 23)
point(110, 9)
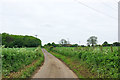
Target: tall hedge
point(19, 41)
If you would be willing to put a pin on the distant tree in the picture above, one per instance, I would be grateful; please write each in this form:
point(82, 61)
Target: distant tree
point(116, 44)
point(92, 40)
point(49, 44)
point(83, 46)
point(105, 44)
point(53, 44)
point(98, 45)
point(74, 45)
point(63, 41)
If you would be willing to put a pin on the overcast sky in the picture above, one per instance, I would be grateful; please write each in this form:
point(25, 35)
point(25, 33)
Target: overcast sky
point(53, 20)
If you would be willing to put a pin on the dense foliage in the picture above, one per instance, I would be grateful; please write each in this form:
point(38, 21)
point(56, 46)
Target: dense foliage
point(60, 45)
point(20, 41)
point(105, 44)
point(114, 44)
point(15, 59)
point(104, 61)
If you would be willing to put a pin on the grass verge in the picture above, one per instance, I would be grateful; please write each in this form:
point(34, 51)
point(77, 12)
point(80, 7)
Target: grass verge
point(75, 65)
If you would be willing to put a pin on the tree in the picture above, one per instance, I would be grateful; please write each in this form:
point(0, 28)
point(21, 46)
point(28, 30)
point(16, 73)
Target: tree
point(53, 44)
point(116, 44)
point(92, 40)
point(105, 43)
point(10, 40)
point(49, 44)
point(74, 45)
point(63, 41)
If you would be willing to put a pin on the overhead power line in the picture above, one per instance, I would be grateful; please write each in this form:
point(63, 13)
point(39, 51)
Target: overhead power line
point(100, 12)
point(115, 5)
point(107, 5)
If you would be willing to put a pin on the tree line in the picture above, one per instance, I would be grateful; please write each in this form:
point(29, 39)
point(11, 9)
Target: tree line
point(9, 40)
point(92, 41)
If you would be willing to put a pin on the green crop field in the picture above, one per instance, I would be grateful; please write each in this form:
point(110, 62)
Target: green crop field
point(16, 59)
point(101, 60)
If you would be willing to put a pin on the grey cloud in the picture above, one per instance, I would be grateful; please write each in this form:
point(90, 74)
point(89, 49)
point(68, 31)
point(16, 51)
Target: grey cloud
point(56, 19)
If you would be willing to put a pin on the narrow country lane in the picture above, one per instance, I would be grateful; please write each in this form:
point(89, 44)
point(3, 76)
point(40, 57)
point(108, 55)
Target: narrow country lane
point(53, 68)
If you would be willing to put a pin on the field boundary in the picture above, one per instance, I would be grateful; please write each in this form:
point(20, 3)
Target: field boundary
point(83, 73)
point(29, 70)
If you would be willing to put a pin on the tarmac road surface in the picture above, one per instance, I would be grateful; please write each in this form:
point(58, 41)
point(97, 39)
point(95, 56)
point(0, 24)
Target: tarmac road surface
point(54, 68)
